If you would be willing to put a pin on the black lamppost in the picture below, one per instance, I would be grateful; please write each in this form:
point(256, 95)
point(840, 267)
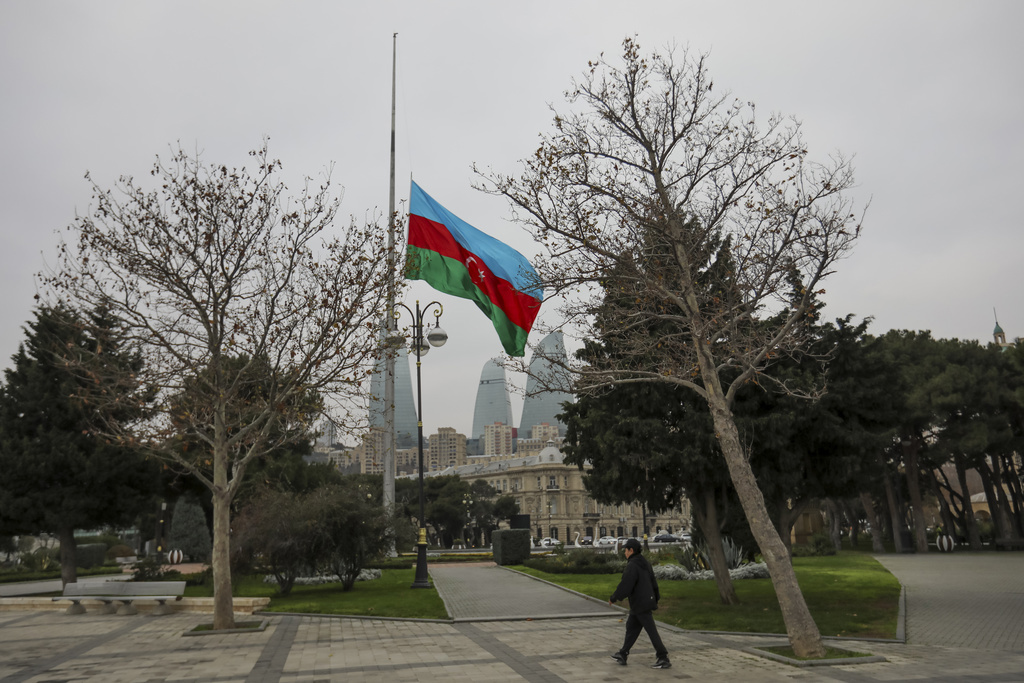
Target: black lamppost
point(421, 344)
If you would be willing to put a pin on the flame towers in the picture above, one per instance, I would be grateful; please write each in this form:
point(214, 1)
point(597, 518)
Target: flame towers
point(543, 402)
point(492, 401)
point(405, 409)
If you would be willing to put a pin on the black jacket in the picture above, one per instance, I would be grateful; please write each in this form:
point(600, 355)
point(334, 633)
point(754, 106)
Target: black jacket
point(639, 585)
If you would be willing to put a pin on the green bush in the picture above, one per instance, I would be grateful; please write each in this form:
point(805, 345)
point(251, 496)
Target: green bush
point(149, 569)
point(578, 562)
point(90, 555)
point(692, 557)
point(108, 540)
point(510, 546)
point(391, 563)
point(120, 551)
point(189, 531)
point(41, 560)
point(820, 545)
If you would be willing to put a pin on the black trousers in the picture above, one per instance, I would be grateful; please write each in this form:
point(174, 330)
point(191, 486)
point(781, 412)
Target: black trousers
point(643, 622)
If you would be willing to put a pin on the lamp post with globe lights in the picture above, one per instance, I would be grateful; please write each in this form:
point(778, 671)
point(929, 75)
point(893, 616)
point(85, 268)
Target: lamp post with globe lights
point(421, 344)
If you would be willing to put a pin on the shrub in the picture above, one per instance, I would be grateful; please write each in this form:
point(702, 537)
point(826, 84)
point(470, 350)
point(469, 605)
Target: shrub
point(578, 562)
point(41, 559)
point(108, 540)
point(90, 555)
point(189, 531)
point(149, 569)
point(120, 551)
point(693, 558)
point(819, 545)
point(510, 546)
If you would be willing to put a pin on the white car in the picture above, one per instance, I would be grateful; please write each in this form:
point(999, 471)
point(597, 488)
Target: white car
point(548, 542)
point(605, 542)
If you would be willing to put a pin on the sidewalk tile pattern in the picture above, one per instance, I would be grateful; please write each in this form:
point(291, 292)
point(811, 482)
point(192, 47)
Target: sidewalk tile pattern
point(52, 647)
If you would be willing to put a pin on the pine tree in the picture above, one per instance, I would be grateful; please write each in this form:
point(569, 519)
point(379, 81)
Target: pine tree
point(58, 475)
point(189, 531)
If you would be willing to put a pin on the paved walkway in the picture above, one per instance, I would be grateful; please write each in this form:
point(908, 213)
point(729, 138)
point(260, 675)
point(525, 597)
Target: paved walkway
point(968, 600)
point(51, 647)
point(486, 592)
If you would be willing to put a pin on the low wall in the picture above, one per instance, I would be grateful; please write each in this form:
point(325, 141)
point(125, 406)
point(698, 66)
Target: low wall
point(198, 605)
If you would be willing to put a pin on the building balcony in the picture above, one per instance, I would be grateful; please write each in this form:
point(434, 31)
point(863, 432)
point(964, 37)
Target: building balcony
point(553, 488)
point(591, 515)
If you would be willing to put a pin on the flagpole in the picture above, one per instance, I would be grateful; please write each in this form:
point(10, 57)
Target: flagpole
point(390, 333)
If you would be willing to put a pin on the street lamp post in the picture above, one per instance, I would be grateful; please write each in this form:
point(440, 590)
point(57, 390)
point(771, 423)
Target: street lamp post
point(437, 338)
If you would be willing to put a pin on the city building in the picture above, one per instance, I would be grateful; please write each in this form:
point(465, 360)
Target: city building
point(368, 455)
point(492, 399)
point(446, 448)
point(498, 439)
point(551, 492)
point(544, 398)
point(406, 421)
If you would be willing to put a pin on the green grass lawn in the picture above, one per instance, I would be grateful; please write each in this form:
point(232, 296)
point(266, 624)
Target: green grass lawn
point(388, 596)
point(849, 594)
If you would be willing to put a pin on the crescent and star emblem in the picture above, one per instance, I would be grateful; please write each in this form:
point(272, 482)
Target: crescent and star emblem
point(479, 271)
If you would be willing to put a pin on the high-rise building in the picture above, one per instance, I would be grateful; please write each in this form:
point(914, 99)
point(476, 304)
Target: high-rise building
point(492, 401)
point(447, 448)
point(405, 409)
point(542, 403)
point(498, 439)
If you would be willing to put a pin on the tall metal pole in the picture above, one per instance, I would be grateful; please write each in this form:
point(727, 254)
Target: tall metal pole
point(437, 337)
point(421, 580)
point(390, 327)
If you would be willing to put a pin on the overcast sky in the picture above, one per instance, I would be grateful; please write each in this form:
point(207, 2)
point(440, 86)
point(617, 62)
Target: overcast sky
point(927, 96)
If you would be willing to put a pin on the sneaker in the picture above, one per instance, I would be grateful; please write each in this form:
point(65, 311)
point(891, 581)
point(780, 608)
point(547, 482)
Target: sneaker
point(662, 663)
point(620, 658)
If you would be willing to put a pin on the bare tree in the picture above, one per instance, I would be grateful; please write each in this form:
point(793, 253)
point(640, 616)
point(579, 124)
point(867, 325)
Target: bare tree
point(707, 225)
point(248, 311)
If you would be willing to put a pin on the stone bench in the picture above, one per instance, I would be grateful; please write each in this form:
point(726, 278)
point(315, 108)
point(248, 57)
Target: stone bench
point(125, 592)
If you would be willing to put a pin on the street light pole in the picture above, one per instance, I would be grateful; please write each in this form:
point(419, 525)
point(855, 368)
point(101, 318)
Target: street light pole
point(437, 338)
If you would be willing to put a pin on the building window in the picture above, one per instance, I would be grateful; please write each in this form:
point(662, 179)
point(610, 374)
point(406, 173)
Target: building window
point(552, 482)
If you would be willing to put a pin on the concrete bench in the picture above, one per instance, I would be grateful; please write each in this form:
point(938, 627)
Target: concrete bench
point(1009, 544)
point(125, 592)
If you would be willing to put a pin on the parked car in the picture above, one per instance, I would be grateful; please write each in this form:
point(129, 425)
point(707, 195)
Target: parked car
point(605, 542)
point(666, 538)
point(548, 542)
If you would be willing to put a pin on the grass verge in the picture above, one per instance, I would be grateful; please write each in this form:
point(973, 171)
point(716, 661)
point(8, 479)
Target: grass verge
point(388, 596)
point(849, 594)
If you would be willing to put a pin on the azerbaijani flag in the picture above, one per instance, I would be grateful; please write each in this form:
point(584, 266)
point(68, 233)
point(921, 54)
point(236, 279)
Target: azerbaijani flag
point(456, 258)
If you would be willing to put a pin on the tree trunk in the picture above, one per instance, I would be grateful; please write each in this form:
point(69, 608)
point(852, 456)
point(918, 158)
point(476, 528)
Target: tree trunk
point(68, 556)
point(1012, 477)
point(970, 523)
point(834, 526)
point(706, 512)
point(998, 522)
point(1002, 500)
point(948, 523)
point(894, 512)
point(873, 522)
point(804, 636)
point(789, 513)
point(850, 509)
point(913, 471)
point(223, 604)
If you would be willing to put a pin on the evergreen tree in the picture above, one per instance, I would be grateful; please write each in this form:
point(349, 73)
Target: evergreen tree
point(189, 530)
point(58, 474)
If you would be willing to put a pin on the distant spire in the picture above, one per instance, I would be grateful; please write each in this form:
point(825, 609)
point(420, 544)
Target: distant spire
point(997, 334)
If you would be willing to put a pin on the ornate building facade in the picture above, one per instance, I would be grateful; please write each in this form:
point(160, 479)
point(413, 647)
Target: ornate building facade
point(551, 492)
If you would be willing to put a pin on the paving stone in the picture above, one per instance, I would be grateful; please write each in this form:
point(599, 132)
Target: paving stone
point(965, 619)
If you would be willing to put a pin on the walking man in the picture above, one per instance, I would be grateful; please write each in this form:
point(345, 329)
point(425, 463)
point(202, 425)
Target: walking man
point(639, 585)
